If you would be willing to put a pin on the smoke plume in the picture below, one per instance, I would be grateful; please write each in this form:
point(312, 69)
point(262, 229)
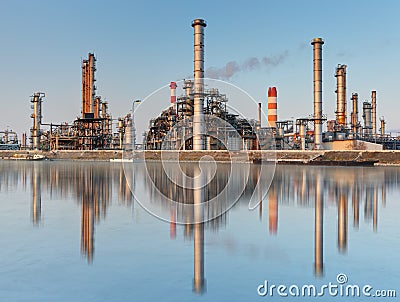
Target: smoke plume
point(231, 68)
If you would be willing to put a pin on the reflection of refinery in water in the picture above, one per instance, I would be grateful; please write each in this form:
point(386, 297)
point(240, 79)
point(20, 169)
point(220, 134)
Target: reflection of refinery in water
point(354, 193)
point(95, 129)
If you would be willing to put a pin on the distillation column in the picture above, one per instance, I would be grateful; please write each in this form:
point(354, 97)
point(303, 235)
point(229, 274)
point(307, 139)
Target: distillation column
point(198, 114)
point(88, 87)
point(373, 103)
point(37, 100)
point(341, 96)
point(383, 126)
point(367, 115)
point(354, 114)
point(317, 49)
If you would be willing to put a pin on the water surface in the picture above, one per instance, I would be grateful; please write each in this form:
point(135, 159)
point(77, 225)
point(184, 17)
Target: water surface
point(72, 231)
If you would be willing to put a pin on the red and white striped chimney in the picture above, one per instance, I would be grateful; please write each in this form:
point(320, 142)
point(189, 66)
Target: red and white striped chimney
point(173, 86)
point(272, 106)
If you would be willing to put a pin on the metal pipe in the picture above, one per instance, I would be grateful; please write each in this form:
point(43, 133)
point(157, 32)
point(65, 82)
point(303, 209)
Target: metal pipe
point(341, 95)
point(272, 107)
point(317, 49)
point(354, 114)
point(373, 102)
point(198, 110)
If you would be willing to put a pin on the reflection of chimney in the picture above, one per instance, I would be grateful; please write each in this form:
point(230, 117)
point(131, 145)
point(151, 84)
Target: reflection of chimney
point(199, 283)
point(273, 210)
point(318, 228)
point(375, 211)
point(172, 225)
point(198, 114)
point(36, 196)
point(356, 206)
point(317, 44)
point(369, 197)
point(383, 190)
point(272, 106)
point(88, 215)
point(342, 222)
point(87, 236)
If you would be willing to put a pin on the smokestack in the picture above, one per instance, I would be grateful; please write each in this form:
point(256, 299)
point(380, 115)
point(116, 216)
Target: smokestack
point(383, 124)
point(173, 86)
point(198, 103)
point(354, 114)
point(341, 95)
point(317, 48)
point(272, 106)
point(373, 101)
point(259, 114)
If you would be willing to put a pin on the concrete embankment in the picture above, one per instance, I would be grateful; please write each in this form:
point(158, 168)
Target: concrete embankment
point(344, 157)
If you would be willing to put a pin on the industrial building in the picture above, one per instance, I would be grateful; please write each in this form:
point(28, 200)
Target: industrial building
point(92, 130)
point(185, 124)
point(305, 133)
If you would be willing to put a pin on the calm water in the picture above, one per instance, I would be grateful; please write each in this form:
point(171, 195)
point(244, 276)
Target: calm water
point(73, 232)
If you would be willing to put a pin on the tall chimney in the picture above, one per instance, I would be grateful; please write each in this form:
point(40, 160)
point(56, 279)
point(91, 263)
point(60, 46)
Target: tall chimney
point(173, 86)
point(373, 102)
point(341, 95)
point(354, 114)
point(317, 45)
point(382, 129)
point(272, 107)
point(198, 103)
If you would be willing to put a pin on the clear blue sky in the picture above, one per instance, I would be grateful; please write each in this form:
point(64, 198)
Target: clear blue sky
point(143, 45)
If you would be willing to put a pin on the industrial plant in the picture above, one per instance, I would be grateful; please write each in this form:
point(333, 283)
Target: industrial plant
point(186, 116)
point(92, 130)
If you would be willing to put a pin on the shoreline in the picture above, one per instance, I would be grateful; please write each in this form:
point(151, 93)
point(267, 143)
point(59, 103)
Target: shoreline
point(296, 157)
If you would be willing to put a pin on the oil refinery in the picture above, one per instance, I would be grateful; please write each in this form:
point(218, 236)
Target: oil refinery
point(96, 129)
